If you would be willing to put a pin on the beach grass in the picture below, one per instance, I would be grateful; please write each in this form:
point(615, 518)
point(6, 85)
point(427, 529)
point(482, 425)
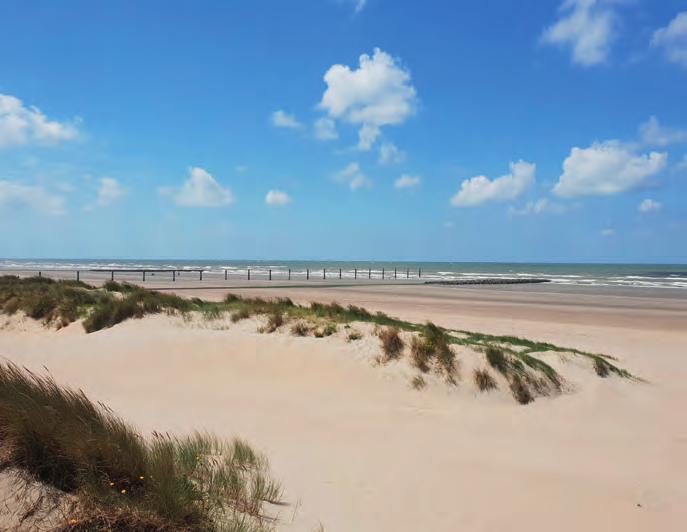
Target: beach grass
point(391, 342)
point(431, 346)
point(57, 436)
point(484, 380)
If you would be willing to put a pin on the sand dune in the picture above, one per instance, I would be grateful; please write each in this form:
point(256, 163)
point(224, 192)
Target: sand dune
point(358, 449)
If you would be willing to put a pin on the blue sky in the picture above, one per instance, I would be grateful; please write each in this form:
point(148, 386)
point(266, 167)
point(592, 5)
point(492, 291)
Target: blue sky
point(324, 129)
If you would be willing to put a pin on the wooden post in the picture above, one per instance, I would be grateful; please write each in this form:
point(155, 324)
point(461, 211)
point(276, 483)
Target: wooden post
point(77, 275)
point(289, 274)
point(270, 275)
point(174, 275)
point(382, 273)
point(39, 274)
point(112, 275)
point(225, 275)
point(355, 273)
point(394, 273)
point(201, 275)
point(249, 274)
point(307, 274)
point(324, 273)
point(408, 273)
point(339, 273)
point(419, 273)
point(144, 276)
point(369, 273)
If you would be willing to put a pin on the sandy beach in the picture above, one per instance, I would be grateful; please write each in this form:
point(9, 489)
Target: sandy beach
point(357, 449)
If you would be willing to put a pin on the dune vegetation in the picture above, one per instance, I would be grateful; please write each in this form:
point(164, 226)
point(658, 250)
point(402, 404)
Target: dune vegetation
point(430, 348)
point(113, 478)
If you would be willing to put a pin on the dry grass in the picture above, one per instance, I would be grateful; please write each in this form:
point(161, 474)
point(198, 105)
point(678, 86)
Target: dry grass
point(300, 328)
point(274, 321)
point(240, 315)
point(520, 390)
point(58, 437)
point(484, 381)
point(418, 382)
point(353, 336)
point(433, 350)
point(392, 344)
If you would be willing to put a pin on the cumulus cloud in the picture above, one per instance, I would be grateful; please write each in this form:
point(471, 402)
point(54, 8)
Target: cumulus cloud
point(587, 27)
point(481, 189)
point(390, 154)
point(407, 181)
point(16, 195)
point(21, 125)
point(277, 198)
point(378, 93)
point(540, 206)
point(353, 176)
point(109, 191)
point(200, 190)
point(654, 134)
point(325, 129)
point(673, 39)
point(285, 120)
point(649, 205)
point(606, 168)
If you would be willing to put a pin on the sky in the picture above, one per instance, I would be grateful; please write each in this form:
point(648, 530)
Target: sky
point(447, 130)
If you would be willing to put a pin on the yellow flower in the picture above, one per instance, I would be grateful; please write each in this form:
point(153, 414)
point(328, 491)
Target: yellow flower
point(123, 492)
point(111, 483)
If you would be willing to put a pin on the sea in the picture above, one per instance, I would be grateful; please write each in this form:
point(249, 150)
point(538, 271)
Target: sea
point(626, 275)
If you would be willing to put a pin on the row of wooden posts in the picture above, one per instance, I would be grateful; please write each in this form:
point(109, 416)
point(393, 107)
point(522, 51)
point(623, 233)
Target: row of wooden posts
point(385, 274)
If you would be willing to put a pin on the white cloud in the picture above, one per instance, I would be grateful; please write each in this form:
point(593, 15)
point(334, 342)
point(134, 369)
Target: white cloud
point(110, 191)
point(325, 129)
point(20, 125)
point(654, 134)
point(15, 195)
point(608, 232)
point(606, 168)
point(407, 181)
point(200, 190)
point(285, 120)
point(481, 189)
point(649, 205)
point(378, 93)
point(390, 154)
point(673, 39)
point(587, 27)
point(541, 206)
point(277, 197)
point(359, 5)
point(353, 176)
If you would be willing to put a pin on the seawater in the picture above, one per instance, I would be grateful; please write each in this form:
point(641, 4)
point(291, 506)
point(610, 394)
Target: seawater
point(630, 275)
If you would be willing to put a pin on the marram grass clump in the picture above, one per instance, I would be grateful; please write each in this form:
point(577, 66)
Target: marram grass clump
point(57, 436)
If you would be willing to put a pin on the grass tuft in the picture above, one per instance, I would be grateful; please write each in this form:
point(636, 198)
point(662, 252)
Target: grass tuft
point(392, 344)
point(59, 437)
point(274, 321)
point(520, 390)
point(300, 328)
point(484, 381)
point(418, 382)
point(497, 359)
